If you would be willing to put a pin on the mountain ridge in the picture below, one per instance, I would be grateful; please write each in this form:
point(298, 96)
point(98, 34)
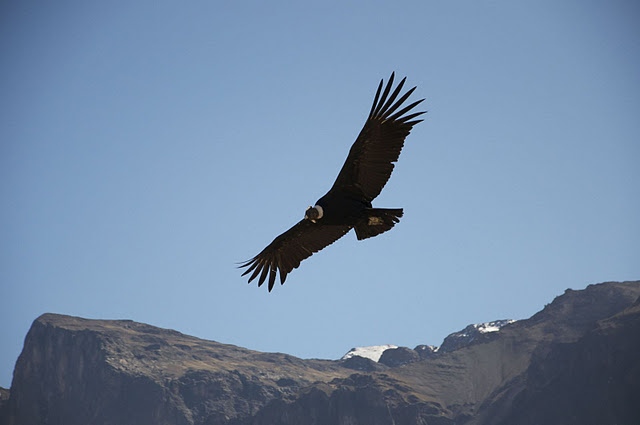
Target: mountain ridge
point(127, 372)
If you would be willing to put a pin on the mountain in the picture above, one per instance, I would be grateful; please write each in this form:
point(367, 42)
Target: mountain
point(575, 361)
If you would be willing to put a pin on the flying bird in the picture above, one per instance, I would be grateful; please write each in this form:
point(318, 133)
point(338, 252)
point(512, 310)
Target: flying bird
point(347, 205)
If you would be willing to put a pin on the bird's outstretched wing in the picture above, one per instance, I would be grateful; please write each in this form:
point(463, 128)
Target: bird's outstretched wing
point(287, 250)
point(370, 161)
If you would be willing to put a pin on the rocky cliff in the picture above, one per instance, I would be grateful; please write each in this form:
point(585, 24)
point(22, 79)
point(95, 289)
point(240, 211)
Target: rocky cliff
point(576, 361)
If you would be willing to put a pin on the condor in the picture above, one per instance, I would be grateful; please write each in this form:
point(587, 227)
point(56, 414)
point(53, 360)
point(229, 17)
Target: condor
point(347, 205)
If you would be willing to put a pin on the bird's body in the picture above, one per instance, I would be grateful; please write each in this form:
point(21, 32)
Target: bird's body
point(340, 208)
point(347, 205)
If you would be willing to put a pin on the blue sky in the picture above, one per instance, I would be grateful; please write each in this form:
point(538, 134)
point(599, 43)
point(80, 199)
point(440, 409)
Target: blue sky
point(147, 147)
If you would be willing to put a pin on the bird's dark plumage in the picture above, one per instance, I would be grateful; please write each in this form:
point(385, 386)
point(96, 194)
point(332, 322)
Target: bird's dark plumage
point(370, 161)
point(347, 205)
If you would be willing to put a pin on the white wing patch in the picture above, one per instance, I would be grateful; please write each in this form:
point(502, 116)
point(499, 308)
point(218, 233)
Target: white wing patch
point(375, 221)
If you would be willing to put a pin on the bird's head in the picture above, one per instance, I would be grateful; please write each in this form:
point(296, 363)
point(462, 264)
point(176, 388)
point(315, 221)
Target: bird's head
point(313, 213)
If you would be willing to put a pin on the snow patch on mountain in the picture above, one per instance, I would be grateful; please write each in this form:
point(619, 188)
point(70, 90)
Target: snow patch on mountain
point(492, 326)
point(469, 334)
point(373, 352)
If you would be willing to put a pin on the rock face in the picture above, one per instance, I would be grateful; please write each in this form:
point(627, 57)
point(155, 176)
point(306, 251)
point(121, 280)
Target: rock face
point(576, 361)
point(398, 356)
point(593, 380)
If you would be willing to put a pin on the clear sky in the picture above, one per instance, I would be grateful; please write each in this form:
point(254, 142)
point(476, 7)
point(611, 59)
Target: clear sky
point(146, 147)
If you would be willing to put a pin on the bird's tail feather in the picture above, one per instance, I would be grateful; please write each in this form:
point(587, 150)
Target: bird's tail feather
point(378, 220)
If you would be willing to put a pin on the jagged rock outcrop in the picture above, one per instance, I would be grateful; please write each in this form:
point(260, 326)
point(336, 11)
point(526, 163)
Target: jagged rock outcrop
point(426, 351)
point(471, 334)
point(574, 362)
point(398, 356)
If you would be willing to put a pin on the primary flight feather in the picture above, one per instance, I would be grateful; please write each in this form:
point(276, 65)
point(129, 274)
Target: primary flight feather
point(347, 205)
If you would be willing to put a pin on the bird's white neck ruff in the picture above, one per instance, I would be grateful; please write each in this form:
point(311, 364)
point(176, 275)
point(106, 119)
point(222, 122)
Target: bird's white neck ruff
point(320, 211)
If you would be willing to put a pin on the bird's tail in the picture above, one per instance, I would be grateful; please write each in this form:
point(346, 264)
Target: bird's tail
point(376, 221)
